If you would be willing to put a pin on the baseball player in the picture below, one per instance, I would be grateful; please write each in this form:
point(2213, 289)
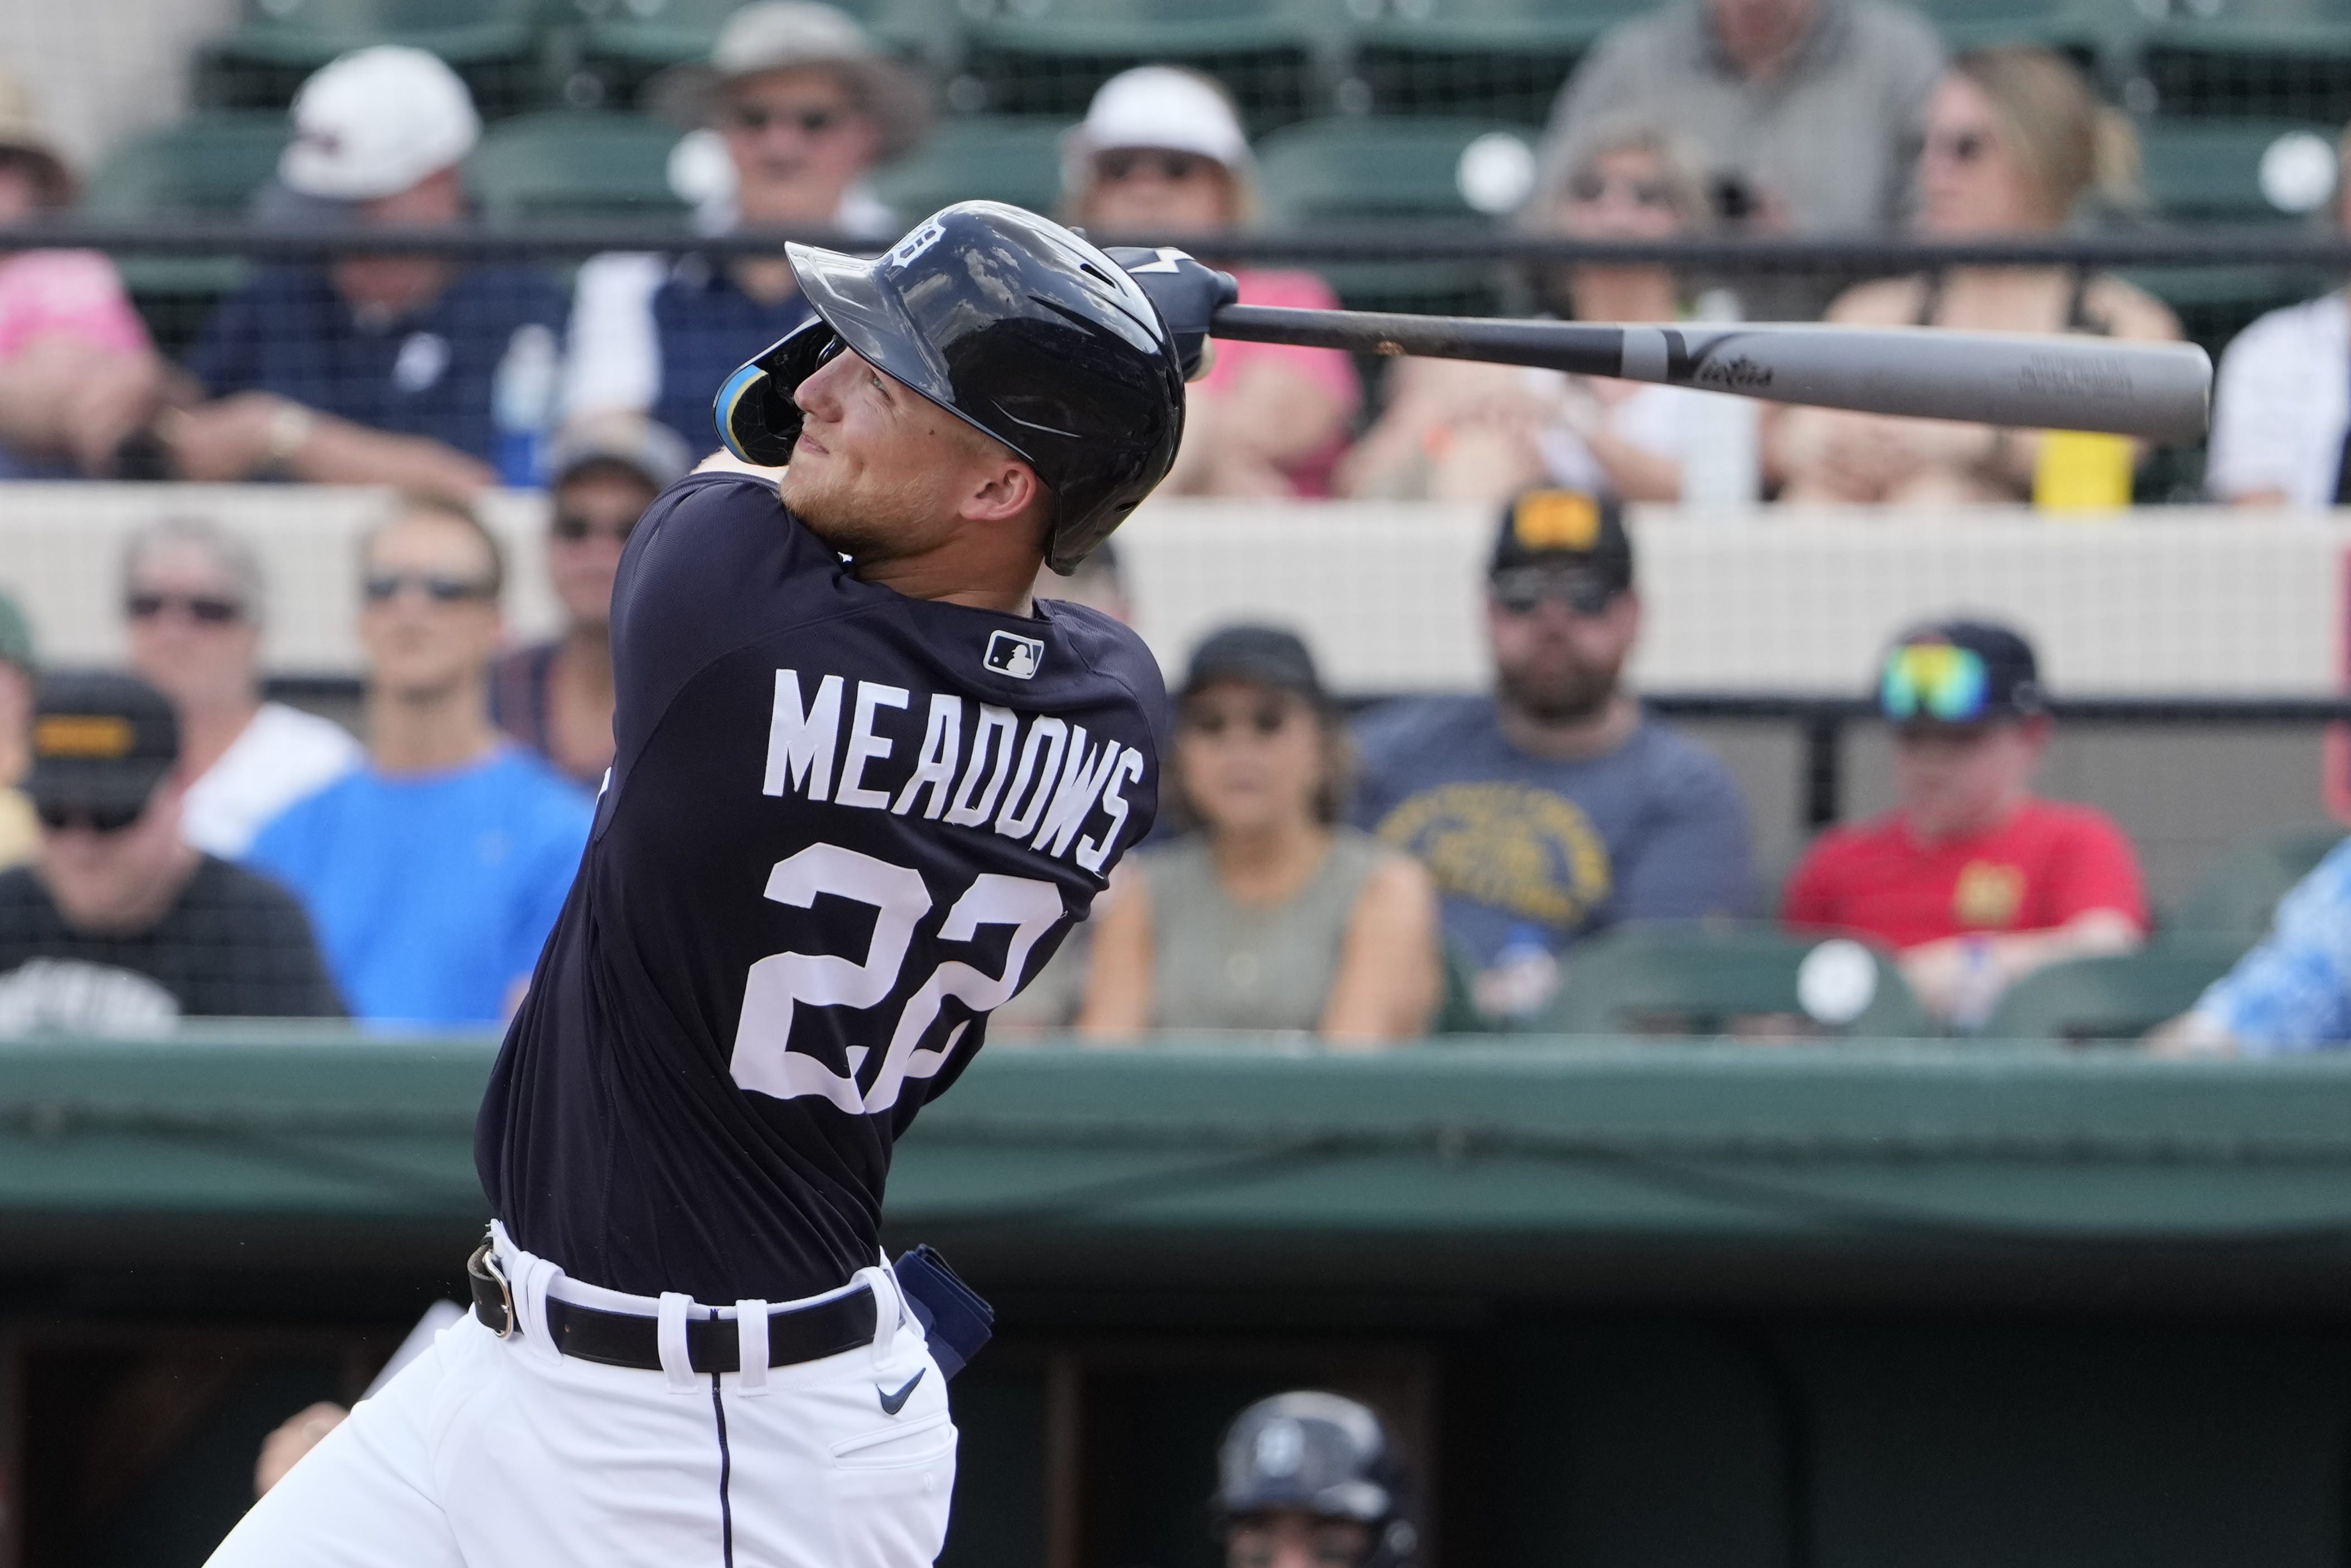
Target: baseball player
point(1309, 1479)
point(862, 788)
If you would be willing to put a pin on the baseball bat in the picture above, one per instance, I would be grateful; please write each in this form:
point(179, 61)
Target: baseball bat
point(2161, 392)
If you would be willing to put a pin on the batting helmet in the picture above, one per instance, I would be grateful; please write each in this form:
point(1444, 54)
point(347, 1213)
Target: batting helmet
point(1014, 325)
point(1323, 1455)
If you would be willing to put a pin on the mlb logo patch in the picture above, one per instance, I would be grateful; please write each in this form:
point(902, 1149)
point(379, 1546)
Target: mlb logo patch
point(1009, 653)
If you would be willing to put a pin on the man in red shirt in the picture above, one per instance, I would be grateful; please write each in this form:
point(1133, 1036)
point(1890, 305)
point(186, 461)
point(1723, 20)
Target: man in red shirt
point(1972, 878)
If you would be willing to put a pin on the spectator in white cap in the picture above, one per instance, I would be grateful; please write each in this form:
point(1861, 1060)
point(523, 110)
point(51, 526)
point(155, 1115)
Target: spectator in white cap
point(1161, 155)
point(76, 372)
point(372, 369)
point(803, 103)
point(555, 697)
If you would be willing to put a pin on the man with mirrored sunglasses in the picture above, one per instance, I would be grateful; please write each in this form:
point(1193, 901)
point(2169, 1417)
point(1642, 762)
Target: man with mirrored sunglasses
point(1976, 881)
point(119, 925)
point(555, 697)
point(435, 871)
point(1555, 807)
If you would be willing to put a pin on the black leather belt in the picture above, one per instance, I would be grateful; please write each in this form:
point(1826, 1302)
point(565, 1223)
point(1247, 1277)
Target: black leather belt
point(712, 1345)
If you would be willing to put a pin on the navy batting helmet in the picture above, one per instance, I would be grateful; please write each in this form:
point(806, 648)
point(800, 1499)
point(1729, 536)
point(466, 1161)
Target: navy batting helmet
point(1013, 324)
point(1320, 1454)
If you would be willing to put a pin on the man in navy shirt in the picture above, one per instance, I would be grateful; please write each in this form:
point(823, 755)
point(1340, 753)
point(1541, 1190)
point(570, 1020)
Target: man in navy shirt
point(804, 103)
point(373, 368)
point(863, 786)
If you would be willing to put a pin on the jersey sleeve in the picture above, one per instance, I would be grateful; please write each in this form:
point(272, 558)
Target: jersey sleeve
point(2099, 870)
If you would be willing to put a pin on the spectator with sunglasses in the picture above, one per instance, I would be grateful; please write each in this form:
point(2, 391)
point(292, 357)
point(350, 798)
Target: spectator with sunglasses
point(1160, 153)
point(1555, 807)
point(1274, 915)
point(370, 368)
point(434, 872)
point(193, 596)
point(2016, 143)
point(801, 104)
point(120, 926)
point(555, 697)
point(1459, 431)
point(1972, 879)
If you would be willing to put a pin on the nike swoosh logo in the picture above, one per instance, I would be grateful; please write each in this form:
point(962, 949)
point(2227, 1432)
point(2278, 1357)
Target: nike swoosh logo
point(894, 1403)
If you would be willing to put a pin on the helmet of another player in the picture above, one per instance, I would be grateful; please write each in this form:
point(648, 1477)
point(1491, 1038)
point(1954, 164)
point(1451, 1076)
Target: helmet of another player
point(1319, 1455)
point(1013, 324)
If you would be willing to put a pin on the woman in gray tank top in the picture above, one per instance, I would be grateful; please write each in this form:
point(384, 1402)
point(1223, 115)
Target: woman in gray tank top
point(1273, 915)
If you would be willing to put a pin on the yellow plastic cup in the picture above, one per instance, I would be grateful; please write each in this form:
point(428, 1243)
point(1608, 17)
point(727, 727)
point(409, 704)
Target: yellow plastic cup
point(2082, 471)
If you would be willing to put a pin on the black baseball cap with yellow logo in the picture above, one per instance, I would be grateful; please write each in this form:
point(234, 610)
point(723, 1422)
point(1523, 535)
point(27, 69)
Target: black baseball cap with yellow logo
point(100, 744)
point(1565, 528)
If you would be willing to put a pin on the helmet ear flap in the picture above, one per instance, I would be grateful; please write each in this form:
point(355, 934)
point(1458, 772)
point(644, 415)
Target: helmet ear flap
point(754, 409)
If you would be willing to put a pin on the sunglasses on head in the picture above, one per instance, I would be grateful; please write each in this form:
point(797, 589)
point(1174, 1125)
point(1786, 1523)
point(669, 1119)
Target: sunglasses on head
point(1521, 590)
point(203, 607)
point(1265, 717)
point(56, 816)
point(1960, 147)
point(1591, 185)
point(571, 528)
point(1934, 680)
point(811, 120)
point(384, 586)
point(1125, 163)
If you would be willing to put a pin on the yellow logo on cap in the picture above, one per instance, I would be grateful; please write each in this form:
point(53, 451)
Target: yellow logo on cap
point(1556, 519)
point(104, 736)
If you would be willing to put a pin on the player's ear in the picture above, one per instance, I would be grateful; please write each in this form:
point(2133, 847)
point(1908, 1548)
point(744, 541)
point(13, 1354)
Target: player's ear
point(1002, 489)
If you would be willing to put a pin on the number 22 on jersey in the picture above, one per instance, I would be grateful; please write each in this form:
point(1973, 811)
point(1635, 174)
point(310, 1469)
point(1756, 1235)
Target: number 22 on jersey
point(782, 981)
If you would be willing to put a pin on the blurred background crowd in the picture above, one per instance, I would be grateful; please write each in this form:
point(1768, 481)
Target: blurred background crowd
point(1548, 855)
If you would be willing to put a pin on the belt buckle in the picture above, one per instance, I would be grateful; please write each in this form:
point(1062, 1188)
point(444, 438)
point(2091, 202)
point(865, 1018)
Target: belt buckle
point(485, 1271)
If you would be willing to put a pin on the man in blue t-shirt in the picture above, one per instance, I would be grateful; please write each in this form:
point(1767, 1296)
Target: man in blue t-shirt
point(372, 369)
point(434, 873)
point(1555, 807)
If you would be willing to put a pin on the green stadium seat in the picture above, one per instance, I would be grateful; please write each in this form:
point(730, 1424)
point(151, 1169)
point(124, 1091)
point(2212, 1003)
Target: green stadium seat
point(2238, 892)
point(491, 43)
point(2120, 996)
point(208, 165)
point(2209, 169)
point(1505, 58)
point(1701, 980)
point(1047, 56)
point(1457, 1012)
point(1381, 171)
point(2295, 70)
point(999, 158)
point(574, 163)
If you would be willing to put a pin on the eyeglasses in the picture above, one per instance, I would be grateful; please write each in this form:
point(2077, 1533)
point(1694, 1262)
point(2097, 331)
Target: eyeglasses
point(571, 528)
point(203, 607)
point(1521, 590)
point(1934, 680)
point(1125, 163)
point(1959, 147)
point(381, 586)
point(809, 121)
point(1266, 719)
point(56, 816)
point(1591, 185)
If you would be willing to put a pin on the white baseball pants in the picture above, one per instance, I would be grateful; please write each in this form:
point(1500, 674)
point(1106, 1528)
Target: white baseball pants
point(489, 1453)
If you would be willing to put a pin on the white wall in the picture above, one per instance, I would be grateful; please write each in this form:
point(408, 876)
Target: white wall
point(100, 69)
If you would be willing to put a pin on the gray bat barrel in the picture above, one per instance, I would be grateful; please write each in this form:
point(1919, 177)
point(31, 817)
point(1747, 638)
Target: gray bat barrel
point(2161, 392)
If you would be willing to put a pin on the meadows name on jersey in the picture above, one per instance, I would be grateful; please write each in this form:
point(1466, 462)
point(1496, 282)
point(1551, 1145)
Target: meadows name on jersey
point(1059, 781)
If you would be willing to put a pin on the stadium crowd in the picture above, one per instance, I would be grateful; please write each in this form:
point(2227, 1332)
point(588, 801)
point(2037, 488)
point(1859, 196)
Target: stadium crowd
point(183, 847)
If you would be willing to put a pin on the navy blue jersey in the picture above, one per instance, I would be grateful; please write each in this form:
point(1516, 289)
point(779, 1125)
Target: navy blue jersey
point(842, 825)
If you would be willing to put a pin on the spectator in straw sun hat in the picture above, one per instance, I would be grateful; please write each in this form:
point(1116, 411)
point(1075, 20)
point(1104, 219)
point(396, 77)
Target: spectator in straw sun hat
point(1160, 153)
point(794, 106)
point(372, 369)
point(78, 375)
